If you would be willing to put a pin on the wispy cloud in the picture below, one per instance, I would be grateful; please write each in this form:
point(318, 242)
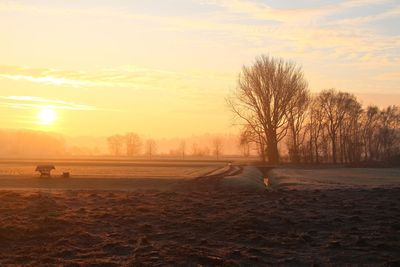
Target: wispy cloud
point(131, 77)
point(305, 30)
point(319, 35)
point(391, 76)
point(258, 10)
point(29, 102)
point(43, 76)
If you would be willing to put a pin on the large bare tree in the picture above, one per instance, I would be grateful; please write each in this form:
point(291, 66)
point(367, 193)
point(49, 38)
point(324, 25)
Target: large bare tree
point(265, 94)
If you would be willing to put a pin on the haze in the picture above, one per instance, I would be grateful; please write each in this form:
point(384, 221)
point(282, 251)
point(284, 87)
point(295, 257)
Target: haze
point(164, 68)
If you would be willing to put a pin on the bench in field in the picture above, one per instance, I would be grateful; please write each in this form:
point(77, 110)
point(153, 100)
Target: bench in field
point(45, 170)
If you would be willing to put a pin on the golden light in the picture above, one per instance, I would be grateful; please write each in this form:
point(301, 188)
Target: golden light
point(47, 116)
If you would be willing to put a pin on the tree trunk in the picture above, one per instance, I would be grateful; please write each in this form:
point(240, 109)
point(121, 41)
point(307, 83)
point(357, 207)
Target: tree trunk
point(334, 149)
point(273, 154)
point(296, 156)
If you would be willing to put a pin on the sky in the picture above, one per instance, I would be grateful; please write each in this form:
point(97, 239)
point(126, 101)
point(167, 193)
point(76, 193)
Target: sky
point(165, 68)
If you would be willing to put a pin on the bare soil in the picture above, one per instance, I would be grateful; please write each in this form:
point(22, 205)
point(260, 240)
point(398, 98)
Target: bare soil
point(201, 226)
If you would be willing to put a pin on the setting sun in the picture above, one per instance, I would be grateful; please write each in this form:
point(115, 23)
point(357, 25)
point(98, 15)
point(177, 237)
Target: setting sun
point(46, 116)
point(200, 132)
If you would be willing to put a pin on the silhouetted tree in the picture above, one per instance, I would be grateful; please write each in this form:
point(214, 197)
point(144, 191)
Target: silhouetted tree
point(296, 117)
point(266, 92)
point(370, 126)
point(314, 132)
point(389, 132)
point(334, 106)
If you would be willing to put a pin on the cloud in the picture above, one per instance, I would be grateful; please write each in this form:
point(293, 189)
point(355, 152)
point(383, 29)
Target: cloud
point(262, 11)
point(29, 102)
point(297, 30)
point(257, 10)
point(361, 20)
point(312, 36)
point(391, 76)
point(41, 75)
point(128, 76)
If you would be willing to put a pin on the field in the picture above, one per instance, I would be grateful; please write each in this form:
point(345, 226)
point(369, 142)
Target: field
point(104, 174)
point(329, 178)
point(198, 214)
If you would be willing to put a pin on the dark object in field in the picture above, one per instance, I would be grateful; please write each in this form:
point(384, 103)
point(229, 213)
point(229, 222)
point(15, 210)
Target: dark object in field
point(45, 170)
point(65, 175)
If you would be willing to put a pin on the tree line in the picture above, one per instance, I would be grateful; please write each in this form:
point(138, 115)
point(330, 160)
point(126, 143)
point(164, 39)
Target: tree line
point(280, 117)
point(131, 144)
point(29, 143)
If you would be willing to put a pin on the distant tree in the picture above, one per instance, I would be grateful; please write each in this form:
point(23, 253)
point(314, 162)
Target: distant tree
point(244, 144)
point(205, 151)
point(200, 151)
point(115, 144)
point(217, 147)
point(182, 149)
point(266, 92)
point(151, 148)
point(133, 144)
point(195, 149)
point(254, 135)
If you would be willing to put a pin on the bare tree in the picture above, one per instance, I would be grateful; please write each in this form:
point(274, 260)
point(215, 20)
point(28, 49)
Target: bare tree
point(254, 135)
point(115, 144)
point(133, 144)
point(315, 131)
point(182, 149)
point(370, 125)
point(244, 144)
point(389, 131)
point(266, 92)
point(350, 133)
point(195, 149)
point(217, 147)
point(296, 117)
point(334, 106)
point(151, 148)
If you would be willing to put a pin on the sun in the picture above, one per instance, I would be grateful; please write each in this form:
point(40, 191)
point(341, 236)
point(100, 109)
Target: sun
point(47, 116)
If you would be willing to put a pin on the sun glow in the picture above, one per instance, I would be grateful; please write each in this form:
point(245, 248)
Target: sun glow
point(47, 116)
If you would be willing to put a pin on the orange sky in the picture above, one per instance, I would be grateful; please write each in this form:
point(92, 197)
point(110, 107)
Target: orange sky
point(164, 68)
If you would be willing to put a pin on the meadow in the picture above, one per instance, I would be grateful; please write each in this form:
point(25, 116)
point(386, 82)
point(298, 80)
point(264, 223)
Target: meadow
point(175, 213)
